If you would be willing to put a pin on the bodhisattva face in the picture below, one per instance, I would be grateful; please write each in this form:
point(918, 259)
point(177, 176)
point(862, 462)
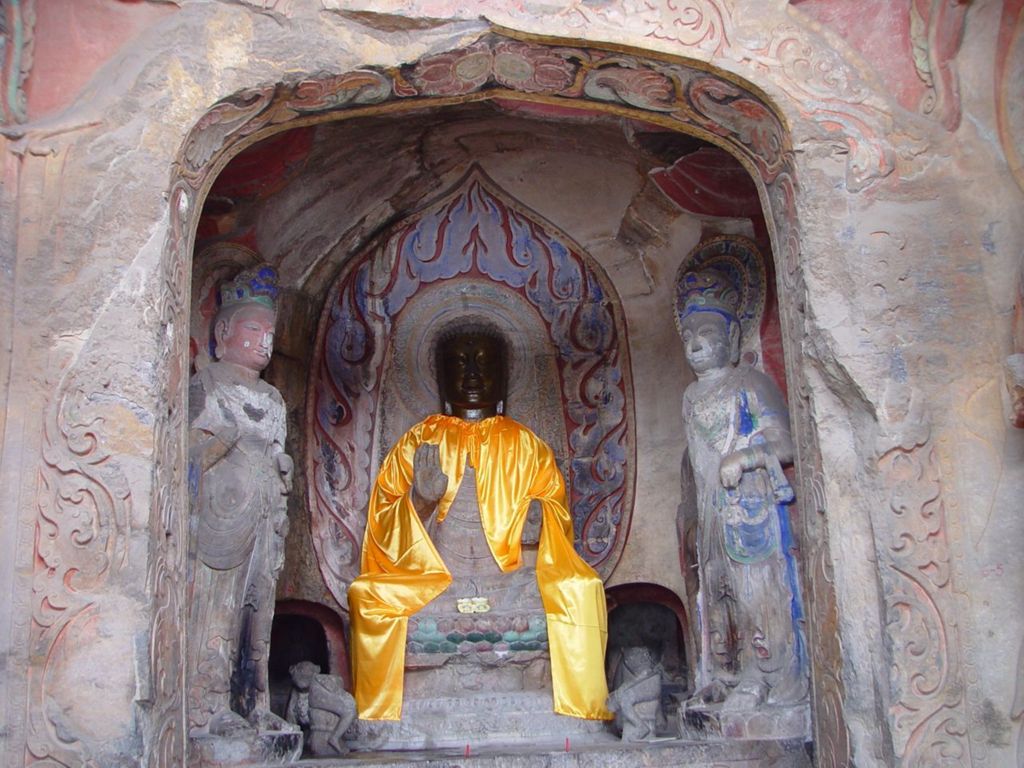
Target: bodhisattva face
point(472, 371)
point(246, 338)
point(708, 341)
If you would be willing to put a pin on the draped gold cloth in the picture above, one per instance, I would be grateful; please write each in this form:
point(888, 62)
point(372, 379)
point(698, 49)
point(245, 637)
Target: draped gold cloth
point(402, 571)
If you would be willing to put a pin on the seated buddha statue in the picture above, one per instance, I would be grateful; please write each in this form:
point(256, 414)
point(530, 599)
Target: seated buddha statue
point(444, 536)
point(472, 368)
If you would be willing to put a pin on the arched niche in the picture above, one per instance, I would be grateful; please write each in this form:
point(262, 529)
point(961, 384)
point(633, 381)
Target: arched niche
point(305, 631)
point(553, 75)
point(646, 614)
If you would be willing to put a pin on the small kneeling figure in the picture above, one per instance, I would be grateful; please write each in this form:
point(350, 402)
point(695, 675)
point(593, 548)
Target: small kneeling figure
point(636, 700)
point(320, 705)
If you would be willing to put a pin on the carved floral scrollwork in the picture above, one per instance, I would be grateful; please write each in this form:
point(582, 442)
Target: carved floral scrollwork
point(164, 736)
point(249, 111)
point(819, 71)
point(928, 713)
point(449, 74)
point(782, 195)
point(699, 23)
point(936, 29)
point(349, 89)
point(81, 537)
point(1010, 62)
point(727, 111)
point(824, 87)
point(516, 65)
point(831, 735)
point(620, 79)
point(832, 740)
point(534, 69)
point(829, 92)
point(720, 105)
point(1017, 707)
point(702, 24)
point(234, 114)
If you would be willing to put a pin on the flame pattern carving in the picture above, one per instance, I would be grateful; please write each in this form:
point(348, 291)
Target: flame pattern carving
point(471, 232)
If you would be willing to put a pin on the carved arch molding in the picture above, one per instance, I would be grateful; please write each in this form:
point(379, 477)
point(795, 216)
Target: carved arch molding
point(665, 91)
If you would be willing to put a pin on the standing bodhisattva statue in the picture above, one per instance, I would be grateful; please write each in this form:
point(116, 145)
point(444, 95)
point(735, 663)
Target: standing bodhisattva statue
point(419, 479)
point(737, 428)
point(239, 476)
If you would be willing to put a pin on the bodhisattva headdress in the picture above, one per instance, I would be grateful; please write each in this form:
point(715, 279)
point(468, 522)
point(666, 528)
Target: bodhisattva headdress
point(251, 286)
point(725, 274)
point(706, 290)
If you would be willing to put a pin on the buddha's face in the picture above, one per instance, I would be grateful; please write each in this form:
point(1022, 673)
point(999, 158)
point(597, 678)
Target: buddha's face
point(709, 341)
point(472, 371)
point(246, 337)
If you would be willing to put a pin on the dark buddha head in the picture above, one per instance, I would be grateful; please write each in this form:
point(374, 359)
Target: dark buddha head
point(472, 372)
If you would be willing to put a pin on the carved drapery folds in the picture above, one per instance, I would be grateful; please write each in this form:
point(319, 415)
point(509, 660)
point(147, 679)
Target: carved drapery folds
point(752, 655)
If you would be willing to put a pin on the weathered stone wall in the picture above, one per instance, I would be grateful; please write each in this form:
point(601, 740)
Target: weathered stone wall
point(897, 314)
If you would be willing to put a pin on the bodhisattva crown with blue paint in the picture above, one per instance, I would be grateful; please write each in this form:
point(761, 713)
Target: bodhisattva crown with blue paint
point(251, 286)
point(707, 290)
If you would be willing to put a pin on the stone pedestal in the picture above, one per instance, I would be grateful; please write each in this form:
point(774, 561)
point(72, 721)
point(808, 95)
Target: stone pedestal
point(480, 720)
point(603, 752)
point(263, 748)
point(766, 722)
point(493, 652)
point(477, 665)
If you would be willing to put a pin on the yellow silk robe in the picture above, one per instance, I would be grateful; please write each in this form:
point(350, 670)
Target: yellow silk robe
point(402, 571)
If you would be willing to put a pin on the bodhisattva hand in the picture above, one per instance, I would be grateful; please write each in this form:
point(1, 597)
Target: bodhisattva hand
point(733, 465)
point(429, 482)
point(731, 470)
point(285, 468)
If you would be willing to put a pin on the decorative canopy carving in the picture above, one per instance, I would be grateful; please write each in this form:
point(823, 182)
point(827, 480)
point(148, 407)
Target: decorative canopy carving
point(497, 67)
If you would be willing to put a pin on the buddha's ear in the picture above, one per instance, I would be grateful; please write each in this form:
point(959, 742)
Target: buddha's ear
point(734, 342)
